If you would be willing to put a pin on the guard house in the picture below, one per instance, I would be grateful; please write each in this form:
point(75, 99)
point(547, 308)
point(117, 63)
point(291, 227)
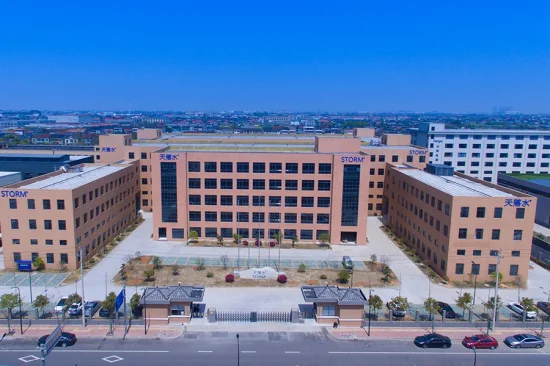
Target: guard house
point(170, 304)
point(332, 304)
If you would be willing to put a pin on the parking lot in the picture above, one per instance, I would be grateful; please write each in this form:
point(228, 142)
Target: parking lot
point(36, 279)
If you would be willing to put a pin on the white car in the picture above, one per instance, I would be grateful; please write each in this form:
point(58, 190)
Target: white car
point(60, 306)
point(519, 309)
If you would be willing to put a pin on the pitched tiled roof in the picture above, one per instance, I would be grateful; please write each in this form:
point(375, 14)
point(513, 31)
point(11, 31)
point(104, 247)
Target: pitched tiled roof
point(165, 295)
point(349, 296)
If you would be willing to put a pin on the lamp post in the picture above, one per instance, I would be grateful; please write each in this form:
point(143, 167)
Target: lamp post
point(475, 355)
point(475, 281)
point(144, 310)
point(20, 311)
point(238, 351)
point(370, 298)
point(495, 301)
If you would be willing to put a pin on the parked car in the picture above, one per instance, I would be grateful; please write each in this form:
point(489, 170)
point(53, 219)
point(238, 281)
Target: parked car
point(347, 262)
point(480, 341)
point(104, 313)
point(449, 312)
point(75, 308)
point(524, 341)
point(544, 306)
point(91, 308)
point(60, 306)
point(396, 312)
point(67, 339)
point(433, 340)
point(519, 309)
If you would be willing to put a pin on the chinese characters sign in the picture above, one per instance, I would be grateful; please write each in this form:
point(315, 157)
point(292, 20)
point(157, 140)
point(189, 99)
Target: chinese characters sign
point(108, 149)
point(517, 202)
point(169, 157)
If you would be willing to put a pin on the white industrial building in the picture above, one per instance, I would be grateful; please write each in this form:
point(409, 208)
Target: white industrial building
point(485, 153)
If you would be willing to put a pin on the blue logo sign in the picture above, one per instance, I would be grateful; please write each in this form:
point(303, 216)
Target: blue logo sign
point(438, 141)
point(517, 202)
point(14, 194)
point(417, 152)
point(24, 266)
point(120, 299)
point(108, 149)
point(169, 156)
point(352, 159)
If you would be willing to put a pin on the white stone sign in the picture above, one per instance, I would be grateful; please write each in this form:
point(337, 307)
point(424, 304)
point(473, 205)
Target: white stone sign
point(265, 273)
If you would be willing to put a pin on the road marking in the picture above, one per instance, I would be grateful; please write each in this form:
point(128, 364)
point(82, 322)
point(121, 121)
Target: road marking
point(112, 359)
point(81, 351)
point(440, 353)
point(204, 351)
point(248, 351)
point(29, 358)
point(292, 351)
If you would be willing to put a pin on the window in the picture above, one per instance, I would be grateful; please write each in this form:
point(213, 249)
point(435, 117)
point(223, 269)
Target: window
point(379, 184)
point(210, 183)
point(518, 234)
point(258, 184)
point(517, 156)
point(242, 216)
point(258, 167)
point(258, 201)
point(495, 235)
point(243, 201)
point(63, 242)
point(32, 224)
point(461, 252)
point(15, 241)
point(307, 201)
point(479, 234)
point(210, 167)
point(49, 258)
point(464, 211)
point(514, 269)
point(275, 168)
point(306, 234)
point(178, 233)
point(394, 158)
point(61, 203)
point(520, 213)
point(324, 185)
point(77, 222)
point(409, 159)
point(30, 204)
point(226, 217)
point(144, 155)
point(291, 185)
point(447, 209)
point(462, 233)
point(308, 168)
point(306, 218)
point(475, 269)
point(226, 167)
point(210, 200)
point(291, 201)
point(194, 216)
point(329, 310)
point(177, 309)
point(14, 224)
point(194, 199)
point(13, 203)
point(210, 232)
point(493, 253)
point(308, 185)
point(16, 256)
point(274, 217)
point(323, 201)
point(194, 183)
point(47, 224)
point(373, 158)
point(518, 146)
point(46, 204)
point(492, 268)
point(445, 230)
point(243, 167)
point(291, 168)
point(477, 253)
point(144, 168)
point(194, 166)
point(459, 269)
point(274, 201)
point(243, 184)
point(226, 183)
point(275, 184)
point(325, 168)
point(143, 181)
point(498, 213)
point(64, 258)
point(480, 212)
point(49, 242)
point(291, 218)
point(226, 200)
point(258, 217)
point(61, 225)
point(515, 253)
point(322, 218)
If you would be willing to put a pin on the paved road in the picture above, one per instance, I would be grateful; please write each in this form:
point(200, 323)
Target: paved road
point(263, 349)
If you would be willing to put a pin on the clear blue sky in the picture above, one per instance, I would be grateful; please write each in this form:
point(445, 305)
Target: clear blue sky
point(452, 56)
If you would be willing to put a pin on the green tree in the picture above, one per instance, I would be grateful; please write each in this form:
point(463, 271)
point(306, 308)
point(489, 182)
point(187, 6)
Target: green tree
point(302, 268)
point(324, 238)
point(156, 262)
point(387, 274)
point(431, 306)
point(373, 259)
point(491, 303)
point(528, 304)
point(278, 237)
point(193, 236)
point(200, 264)
point(236, 238)
point(399, 302)
point(149, 274)
point(500, 277)
point(376, 303)
point(41, 302)
point(7, 303)
point(72, 299)
point(294, 240)
point(343, 276)
point(109, 304)
point(220, 239)
point(38, 263)
point(464, 302)
point(134, 303)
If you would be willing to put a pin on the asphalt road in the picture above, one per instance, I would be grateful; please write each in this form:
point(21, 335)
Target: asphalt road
point(293, 349)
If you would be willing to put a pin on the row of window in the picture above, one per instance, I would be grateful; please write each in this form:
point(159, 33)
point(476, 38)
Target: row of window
point(273, 201)
point(61, 224)
point(260, 168)
point(395, 158)
point(495, 234)
point(259, 184)
point(502, 146)
point(63, 257)
point(497, 213)
point(501, 164)
point(492, 253)
point(491, 268)
point(493, 155)
point(31, 205)
point(131, 155)
point(274, 217)
point(494, 137)
point(255, 233)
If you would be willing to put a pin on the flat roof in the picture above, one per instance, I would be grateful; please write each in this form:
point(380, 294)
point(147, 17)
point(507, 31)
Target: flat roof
point(491, 132)
point(395, 147)
point(5, 174)
point(74, 178)
point(455, 185)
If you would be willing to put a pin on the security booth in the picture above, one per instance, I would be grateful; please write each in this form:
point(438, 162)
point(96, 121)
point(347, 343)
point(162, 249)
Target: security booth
point(170, 304)
point(332, 304)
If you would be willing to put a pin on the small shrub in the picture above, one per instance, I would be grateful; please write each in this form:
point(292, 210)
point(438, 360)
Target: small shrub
point(38, 263)
point(272, 244)
point(91, 261)
point(282, 278)
point(149, 274)
point(258, 243)
point(373, 258)
point(343, 276)
point(302, 268)
point(245, 243)
point(156, 262)
point(175, 270)
point(323, 277)
point(230, 278)
point(200, 264)
point(209, 274)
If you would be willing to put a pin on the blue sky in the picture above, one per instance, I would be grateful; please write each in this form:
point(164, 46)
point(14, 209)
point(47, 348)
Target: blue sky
point(451, 56)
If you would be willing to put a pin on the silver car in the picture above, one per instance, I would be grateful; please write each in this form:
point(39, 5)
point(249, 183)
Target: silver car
point(524, 341)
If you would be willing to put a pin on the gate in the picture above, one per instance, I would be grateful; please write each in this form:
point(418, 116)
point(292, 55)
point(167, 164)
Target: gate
point(273, 316)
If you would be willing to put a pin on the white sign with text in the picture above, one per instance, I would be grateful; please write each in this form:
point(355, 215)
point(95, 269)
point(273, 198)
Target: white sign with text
point(265, 273)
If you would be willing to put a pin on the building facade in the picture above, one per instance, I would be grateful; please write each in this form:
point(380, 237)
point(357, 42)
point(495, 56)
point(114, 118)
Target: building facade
point(457, 224)
point(33, 165)
point(258, 194)
point(55, 215)
point(485, 153)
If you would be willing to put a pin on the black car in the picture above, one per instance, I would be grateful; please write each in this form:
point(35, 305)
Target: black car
point(432, 340)
point(449, 312)
point(104, 313)
point(67, 339)
point(544, 306)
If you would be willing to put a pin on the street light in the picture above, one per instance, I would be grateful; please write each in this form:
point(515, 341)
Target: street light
point(20, 311)
point(475, 355)
point(238, 351)
point(475, 281)
point(144, 310)
point(370, 298)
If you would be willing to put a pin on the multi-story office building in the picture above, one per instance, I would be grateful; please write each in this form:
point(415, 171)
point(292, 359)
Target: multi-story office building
point(257, 193)
point(31, 165)
point(485, 153)
point(55, 215)
point(458, 224)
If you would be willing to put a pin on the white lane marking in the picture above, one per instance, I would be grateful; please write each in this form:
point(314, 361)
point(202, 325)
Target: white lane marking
point(82, 351)
point(248, 351)
point(292, 351)
point(204, 351)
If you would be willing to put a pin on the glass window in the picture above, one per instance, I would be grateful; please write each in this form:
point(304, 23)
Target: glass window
point(30, 204)
point(210, 166)
point(307, 201)
point(480, 212)
point(495, 235)
point(518, 234)
point(177, 233)
point(515, 253)
point(62, 225)
point(459, 269)
point(258, 201)
point(243, 184)
point(46, 204)
point(210, 183)
point(242, 216)
point(492, 268)
point(477, 253)
point(258, 217)
point(210, 200)
point(460, 252)
point(226, 183)
point(350, 194)
point(323, 201)
point(194, 183)
point(275, 168)
point(306, 218)
point(243, 201)
point(226, 200)
point(308, 168)
point(464, 211)
point(14, 224)
point(243, 167)
point(291, 218)
point(325, 168)
point(13, 203)
point(258, 184)
point(322, 218)
point(210, 232)
point(462, 233)
point(291, 201)
point(47, 224)
point(409, 159)
point(479, 234)
point(498, 213)
point(226, 167)
point(226, 216)
point(258, 167)
point(520, 213)
point(306, 234)
point(194, 216)
point(308, 185)
point(329, 310)
point(394, 158)
point(514, 269)
point(324, 185)
point(291, 168)
point(32, 224)
point(291, 185)
point(275, 184)
point(194, 199)
point(194, 166)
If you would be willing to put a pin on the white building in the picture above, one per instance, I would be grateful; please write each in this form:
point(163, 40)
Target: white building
point(485, 153)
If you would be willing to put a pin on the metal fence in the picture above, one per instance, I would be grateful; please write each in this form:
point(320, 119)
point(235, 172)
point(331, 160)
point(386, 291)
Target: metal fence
point(273, 316)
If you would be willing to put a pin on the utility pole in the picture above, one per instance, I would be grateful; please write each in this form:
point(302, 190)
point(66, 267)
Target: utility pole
point(238, 239)
point(495, 301)
point(280, 233)
point(82, 283)
point(125, 315)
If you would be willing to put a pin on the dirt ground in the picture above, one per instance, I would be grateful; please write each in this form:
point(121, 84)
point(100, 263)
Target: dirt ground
point(191, 276)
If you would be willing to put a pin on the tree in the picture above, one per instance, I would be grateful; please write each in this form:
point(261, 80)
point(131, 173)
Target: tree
point(343, 276)
point(41, 302)
point(109, 304)
point(399, 302)
point(278, 237)
point(519, 282)
point(200, 263)
point(193, 236)
point(324, 238)
point(464, 302)
point(72, 299)
point(156, 262)
point(528, 304)
point(225, 261)
point(490, 304)
point(302, 268)
point(376, 303)
point(38, 263)
point(387, 273)
point(494, 276)
point(373, 259)
point(134, 304)
point(220, 239)
point(431, 306)
point(294, 240)
point(8, 302)
point(149, 274)
point(175, 270)
point(236, 238)
point(385, 260)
